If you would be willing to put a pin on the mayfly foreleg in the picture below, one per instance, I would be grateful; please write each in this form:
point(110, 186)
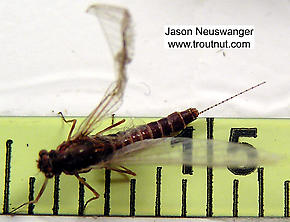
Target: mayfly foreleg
point(97, 195)
point(123, 170)
point(73, 121)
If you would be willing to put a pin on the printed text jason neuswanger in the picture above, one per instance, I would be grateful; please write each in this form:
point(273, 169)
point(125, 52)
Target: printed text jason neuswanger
point(182, 37)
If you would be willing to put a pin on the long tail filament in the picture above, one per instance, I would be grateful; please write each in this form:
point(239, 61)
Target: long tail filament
point(231, 97)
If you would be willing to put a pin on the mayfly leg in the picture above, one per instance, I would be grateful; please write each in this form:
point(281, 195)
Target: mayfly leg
point(74, 121)
point(36, 199)
point(128, 171)
point(97, 195)
point(123, 170)
point(112, 126)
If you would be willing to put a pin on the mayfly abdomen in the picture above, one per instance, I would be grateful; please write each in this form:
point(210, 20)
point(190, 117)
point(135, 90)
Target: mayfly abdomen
point(98, 148)
point(173, 123)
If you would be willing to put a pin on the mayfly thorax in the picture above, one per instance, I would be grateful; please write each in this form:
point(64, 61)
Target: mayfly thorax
point(82, 151)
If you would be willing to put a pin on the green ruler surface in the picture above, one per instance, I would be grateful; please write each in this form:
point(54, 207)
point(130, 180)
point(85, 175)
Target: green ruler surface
point(156, 190)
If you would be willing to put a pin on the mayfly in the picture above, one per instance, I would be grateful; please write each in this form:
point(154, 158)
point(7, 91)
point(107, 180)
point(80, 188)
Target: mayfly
point(83, 151)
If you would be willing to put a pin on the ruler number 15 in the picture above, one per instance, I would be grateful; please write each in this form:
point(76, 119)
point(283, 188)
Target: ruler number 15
point(235, 134)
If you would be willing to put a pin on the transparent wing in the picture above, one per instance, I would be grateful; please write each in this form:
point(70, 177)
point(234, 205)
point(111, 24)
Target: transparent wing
point(116, 23)
point(195, 152)
point(117, 26)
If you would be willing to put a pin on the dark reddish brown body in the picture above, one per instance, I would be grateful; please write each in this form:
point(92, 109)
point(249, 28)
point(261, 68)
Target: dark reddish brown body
point(80, 154)
point(81, 151)
point(164, 127)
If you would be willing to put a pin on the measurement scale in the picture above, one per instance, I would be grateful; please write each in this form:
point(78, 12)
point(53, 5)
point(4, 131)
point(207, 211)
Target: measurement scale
point(156, 190)
point(159, 190)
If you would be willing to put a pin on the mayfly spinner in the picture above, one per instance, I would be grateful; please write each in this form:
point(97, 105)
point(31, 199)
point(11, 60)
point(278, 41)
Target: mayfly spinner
point(82, 152)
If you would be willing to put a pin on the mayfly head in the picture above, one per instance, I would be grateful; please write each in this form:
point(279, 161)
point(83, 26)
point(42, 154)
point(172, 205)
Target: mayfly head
point(46, 163)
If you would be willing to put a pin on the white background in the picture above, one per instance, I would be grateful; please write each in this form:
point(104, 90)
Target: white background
point(54, 57)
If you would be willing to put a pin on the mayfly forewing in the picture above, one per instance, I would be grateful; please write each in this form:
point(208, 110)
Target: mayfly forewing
point(116, 24)
point(170, 150)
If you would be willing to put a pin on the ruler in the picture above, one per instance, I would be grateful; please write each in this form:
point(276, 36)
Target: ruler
point(181, 191)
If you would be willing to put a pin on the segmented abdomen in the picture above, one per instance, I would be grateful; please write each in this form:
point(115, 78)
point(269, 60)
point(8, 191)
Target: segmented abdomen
point(164, 127)
point(83, 153)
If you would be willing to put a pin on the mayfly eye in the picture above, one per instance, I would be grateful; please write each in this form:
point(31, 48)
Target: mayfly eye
point(52, 153)
point(42, 153)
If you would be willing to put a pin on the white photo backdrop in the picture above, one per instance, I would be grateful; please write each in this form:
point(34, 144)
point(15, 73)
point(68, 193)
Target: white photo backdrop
point(54, 57)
